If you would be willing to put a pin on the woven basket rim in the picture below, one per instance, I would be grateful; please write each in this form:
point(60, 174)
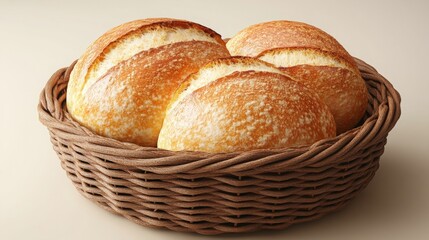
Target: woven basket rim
point(55, 115)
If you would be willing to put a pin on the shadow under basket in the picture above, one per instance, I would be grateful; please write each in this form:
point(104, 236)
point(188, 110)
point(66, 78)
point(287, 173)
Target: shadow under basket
point(226, 192)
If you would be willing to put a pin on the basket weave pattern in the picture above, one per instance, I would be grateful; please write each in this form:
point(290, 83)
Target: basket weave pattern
point(227, 192)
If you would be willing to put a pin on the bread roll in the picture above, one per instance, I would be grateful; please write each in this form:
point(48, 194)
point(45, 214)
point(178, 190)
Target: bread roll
point(334, 79)
point(313, 57)
point(238, 104)
point(123, 83)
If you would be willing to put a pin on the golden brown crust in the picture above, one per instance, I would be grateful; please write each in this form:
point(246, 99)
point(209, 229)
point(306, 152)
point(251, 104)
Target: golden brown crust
point(341, 89)
point(128, 102)
point(234, 60)
point(337, 82)
point(121, 85)
point(247, 110)
point(255, 39)
point(95, 50)
point(316, 52)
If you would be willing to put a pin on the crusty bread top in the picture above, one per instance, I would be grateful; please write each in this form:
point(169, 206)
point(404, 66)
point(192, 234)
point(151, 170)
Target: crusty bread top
point(152, 37)
point(247, 110)
point(135, 28)
point(293, 56)
point(342, 90)
point(125, 41)
point(122, 84)
point(128, 102)
point(216, 69)
point(334, 79)
point(255, 39)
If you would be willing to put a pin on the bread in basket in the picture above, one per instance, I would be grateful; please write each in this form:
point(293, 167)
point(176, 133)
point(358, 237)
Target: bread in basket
point(213, 193)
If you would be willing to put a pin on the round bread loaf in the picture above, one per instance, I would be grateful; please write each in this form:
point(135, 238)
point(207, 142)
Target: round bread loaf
point(238, 104)
point(121, 86)
point(313, 57)
point(335, 80)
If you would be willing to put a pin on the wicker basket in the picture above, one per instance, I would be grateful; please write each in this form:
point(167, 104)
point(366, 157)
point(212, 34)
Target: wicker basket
point(227, 192)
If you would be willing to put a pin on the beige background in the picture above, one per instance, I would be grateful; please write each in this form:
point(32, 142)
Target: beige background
point(37, 201)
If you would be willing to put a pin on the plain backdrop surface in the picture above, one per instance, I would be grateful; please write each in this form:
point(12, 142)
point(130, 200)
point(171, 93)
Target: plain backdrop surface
point(37, 201)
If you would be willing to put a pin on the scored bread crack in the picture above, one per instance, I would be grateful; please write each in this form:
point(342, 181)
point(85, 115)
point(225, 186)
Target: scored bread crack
point(218, 69)
point(289, 57)
point(131, 44)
